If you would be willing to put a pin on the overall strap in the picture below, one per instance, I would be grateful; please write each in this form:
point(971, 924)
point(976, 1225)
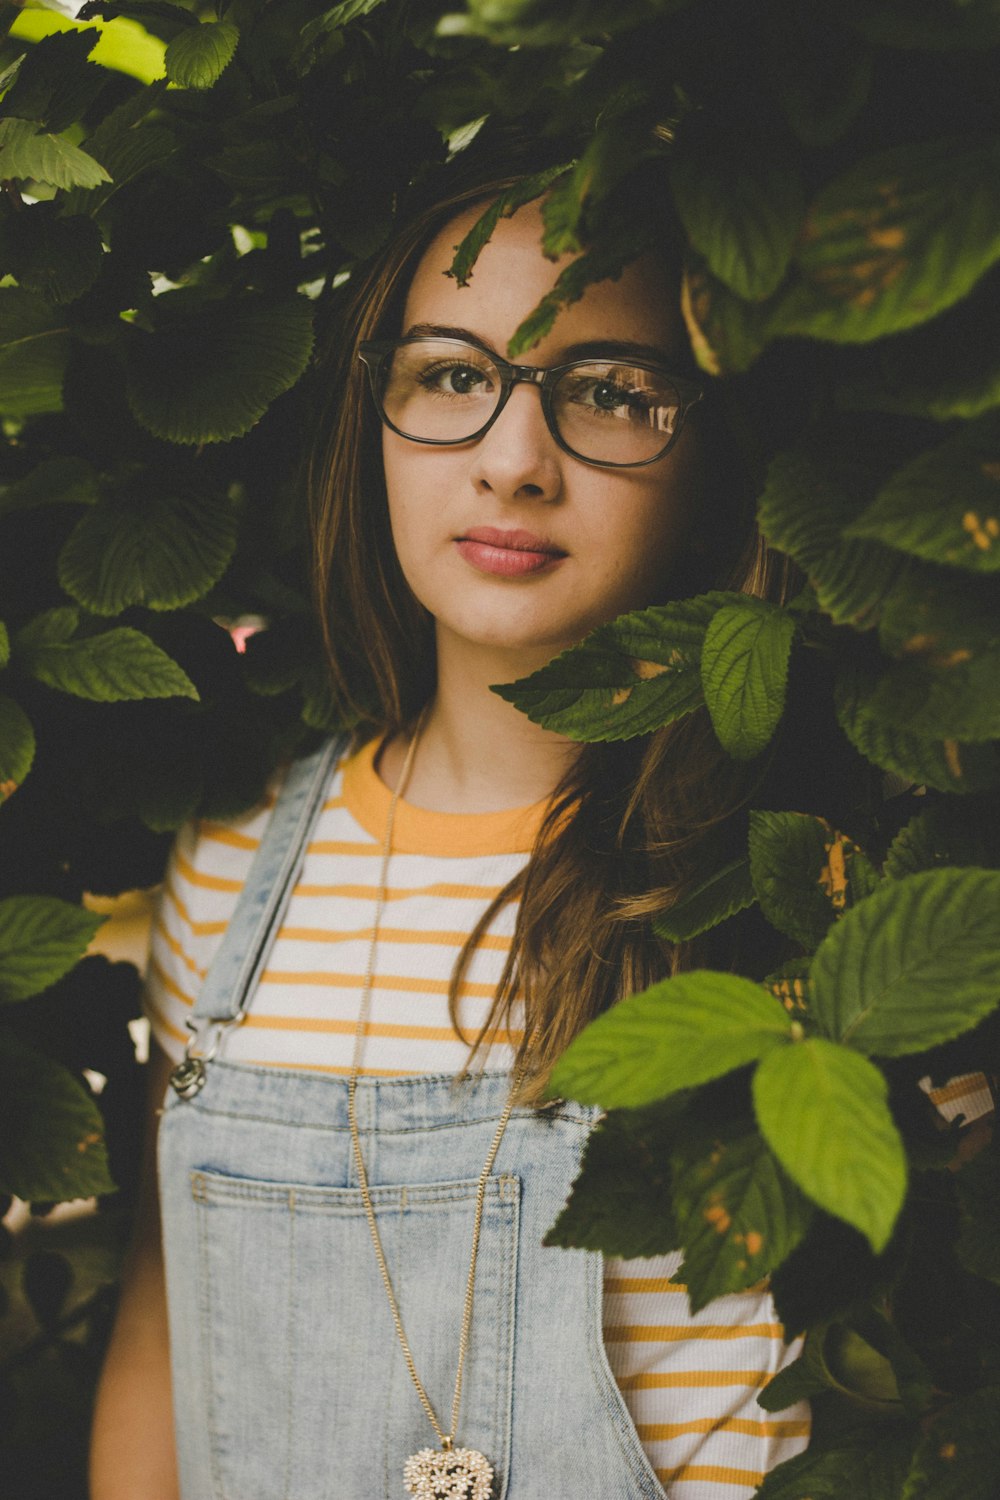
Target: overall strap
point(235, 971)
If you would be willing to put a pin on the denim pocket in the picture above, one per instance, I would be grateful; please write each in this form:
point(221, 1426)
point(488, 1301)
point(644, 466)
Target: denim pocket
point(308, 1395)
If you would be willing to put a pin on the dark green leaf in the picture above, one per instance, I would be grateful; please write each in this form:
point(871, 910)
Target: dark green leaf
point(34, 346)
point(950, 693)
point(41, 939)
point(738, 1214)
point(940, 616)
point(805, 1377)
point(824, 1113)
point(126, 147)
point(626, 678)
point(58, 257)
point(620, 1201)
point(120, 664)
point(197, 56)
point(4, 645)
point(925, 23)
point(47, 1279)
point(677, 1034)
point(945, 504)
point(946, 833)
point(978, 1187)
point(56, 481)
point(805, 873)
point(810, 496)
point(163, 548)
point(725, 892)
point(726, 333)
point(51, 1135)
point(17, 744)
point(139, 10)
point(54, 83)
point(526, 190)
point(958, 1457)
point(915, 964)
point(868, 1465)
point(742, 210)
point(211, 374)
point(821, 73)
point(744, 670)
point(51, 627)
point(41, 157)
point(338, 16)
point(897, 239)
point(948, 765)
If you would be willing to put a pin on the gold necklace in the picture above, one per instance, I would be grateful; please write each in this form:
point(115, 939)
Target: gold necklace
point(456, 1473)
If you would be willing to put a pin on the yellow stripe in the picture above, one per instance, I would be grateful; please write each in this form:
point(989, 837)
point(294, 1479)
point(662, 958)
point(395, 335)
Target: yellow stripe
point(693, 1379)
point(332, 802)
point(206, 882)
point(654, 1432)
point(635, 1333)
point(709, 1474)
point(344, 846)
point(642, 1284)
point(169, 985)
point(176, 948)
point(371, 892)
point(217, 833)
point(323, 980)
point(380, 1028)
point(491, 941)
point(971, 1084)
point(300, 1067)
point(199, 929)
point(171, 1029)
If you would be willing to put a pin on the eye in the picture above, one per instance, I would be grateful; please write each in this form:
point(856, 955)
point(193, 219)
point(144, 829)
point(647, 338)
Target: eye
point(455, 379)
point(606, 394)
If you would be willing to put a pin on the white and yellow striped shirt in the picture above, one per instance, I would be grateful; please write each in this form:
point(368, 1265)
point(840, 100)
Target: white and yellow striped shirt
point(690, 1382)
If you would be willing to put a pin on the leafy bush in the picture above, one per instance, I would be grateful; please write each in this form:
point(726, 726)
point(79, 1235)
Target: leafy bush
point(165, 246)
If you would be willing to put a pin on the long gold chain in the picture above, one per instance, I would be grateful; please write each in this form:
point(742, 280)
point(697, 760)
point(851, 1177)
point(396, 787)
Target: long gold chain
point(446, 1439)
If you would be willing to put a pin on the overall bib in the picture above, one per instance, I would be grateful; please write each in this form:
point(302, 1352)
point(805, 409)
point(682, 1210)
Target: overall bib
point(288, 1379)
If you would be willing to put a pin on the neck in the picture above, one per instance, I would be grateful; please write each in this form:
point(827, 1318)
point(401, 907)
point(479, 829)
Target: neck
point(477, 753)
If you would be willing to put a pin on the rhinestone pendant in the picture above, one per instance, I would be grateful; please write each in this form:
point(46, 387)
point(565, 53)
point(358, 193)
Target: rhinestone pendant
point(456, 1474)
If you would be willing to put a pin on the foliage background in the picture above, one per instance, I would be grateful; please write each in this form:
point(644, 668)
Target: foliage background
point(165, 246)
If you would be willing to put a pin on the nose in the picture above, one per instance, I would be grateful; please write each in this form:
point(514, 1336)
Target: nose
point(518, 459)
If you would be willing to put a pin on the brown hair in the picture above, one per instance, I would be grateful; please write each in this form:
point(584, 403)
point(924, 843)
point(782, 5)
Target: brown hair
point(632, 822)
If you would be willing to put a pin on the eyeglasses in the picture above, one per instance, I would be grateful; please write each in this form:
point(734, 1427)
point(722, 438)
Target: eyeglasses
point(613, 412)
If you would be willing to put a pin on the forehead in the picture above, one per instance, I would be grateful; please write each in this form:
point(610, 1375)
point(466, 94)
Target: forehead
point(512, 276)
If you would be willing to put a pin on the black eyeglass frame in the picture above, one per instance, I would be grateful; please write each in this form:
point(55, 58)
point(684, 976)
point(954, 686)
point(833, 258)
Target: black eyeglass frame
point(373, 354)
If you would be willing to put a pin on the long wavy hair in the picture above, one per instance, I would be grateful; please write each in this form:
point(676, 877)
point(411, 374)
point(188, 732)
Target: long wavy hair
point(632, 823)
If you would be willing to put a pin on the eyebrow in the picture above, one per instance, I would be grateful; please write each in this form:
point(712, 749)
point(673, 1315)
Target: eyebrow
point(589, 349)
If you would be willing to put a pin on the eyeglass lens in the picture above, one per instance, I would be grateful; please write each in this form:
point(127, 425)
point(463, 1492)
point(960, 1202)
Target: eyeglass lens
point(605, 410)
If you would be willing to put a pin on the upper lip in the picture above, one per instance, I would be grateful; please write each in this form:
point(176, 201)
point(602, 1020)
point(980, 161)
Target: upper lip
point(513, 541)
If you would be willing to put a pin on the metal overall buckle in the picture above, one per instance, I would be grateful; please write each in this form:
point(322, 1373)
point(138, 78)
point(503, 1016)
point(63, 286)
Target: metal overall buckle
point(188, 1077)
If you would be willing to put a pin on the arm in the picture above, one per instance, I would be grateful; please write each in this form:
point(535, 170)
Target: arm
point(132, 1447)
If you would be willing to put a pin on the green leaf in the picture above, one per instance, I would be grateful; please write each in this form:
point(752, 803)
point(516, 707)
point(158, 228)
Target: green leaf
point(17, 744)
point(120, 664)
point(947, 833)
point(55, 481)
point(725, 892)
point(620, 1201)
point(677, 1034)
point(51, 1133)
point(947, 765)
point(823, 1111)
point(914, 965)
point(40, 157)
point(742, 210)
point(945, 504)
point(726, 333)
point(627, 678)
point(868, 1464)
point(197, 57)
point(900, 237)
point(211, 373)
point(805, 1377)
point(58, 257)
point(958, 1457)
point(126, 148)
point(34, 347)
point(163, 549)
point(951, 693)
point(138, 10)
point(738, 1214)
point(978, 1245)
point(526, 190)
point(744, 670)
point(55, 85)
point(41, 939)
point(811, 494)
point(338, 16)
point(806, 874)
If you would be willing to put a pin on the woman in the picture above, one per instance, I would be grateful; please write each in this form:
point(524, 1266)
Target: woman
point(360, 1305)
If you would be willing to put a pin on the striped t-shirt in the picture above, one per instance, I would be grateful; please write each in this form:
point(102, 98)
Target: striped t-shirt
point(690, 1381)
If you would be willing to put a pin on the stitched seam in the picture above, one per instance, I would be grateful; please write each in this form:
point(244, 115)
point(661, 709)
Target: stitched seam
point(206, 1325)
point(291, 1340)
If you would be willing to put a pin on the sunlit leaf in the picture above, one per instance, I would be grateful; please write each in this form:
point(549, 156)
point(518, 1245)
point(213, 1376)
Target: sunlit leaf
point(823, 1111)
point(36, 156)
point(677, 1034)
point(744, 670)
point(915, 964)
point(197, 56)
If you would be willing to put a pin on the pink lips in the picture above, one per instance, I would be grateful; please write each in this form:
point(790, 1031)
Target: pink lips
point(507, 554)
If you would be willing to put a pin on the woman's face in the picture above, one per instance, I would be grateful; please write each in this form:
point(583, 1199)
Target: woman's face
point(593, 542)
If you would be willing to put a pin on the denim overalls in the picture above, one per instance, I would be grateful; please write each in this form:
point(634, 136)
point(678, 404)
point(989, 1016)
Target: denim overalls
point(288, 1379)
